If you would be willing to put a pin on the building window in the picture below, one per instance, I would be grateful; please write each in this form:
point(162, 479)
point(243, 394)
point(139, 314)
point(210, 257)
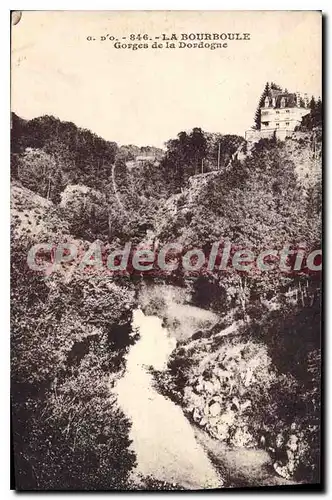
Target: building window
point(277, 124)
point(277, 112)
point(287, 110)
point(266, 124)
point(287, 124)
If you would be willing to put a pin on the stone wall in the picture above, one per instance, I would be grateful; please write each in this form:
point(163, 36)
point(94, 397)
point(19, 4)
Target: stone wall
point(257, 135)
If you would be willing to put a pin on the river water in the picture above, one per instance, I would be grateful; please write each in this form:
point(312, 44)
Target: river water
point(162, 438)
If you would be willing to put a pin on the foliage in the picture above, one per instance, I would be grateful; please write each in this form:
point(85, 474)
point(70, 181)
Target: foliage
point(315, 117)
point(87, 212)
point(80, 156)
point(70, 332)
point(184, 157)
point(38, 171)
point(257, 119)
point(222, 147)
point(130, 152)
point(194, 153)
point(257, 204)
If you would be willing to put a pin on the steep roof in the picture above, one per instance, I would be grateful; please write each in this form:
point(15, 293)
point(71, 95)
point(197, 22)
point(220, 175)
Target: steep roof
point(290, 98)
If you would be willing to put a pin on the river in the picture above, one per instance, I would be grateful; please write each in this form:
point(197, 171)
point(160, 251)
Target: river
point(162, 438)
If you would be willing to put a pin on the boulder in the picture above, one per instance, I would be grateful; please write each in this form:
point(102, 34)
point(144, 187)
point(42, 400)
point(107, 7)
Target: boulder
point(280, 440)
point(236, 403)
point(228, 417)
point(199, 388)
point(292, 443)
point(223, 375)
point(288, 469)
point(215, 409)
point(282, 470)
point(197, 415)
point(192, 398)
point(206, 410)
point(242, 438)
point(246, 404)
point(208, 387)
point(222, 431)
point(204, 422)
point(262, 441)
point(214, 421)
point(216, 384)
point(248, 378)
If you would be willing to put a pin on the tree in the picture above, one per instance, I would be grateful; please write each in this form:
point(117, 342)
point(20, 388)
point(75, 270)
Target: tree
point(183, 158)
point(261, 101)
point(274, 86)
point(197, 148)
point(67, 351)
point(86, 211)
point(222, 147)
point(38, 171)
point(312, 104)
point(315, 117)
point(268, 87)
point(81, 156)
point(176, 160)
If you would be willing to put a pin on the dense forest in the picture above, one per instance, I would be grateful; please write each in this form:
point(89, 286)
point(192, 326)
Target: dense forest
point(70, 332)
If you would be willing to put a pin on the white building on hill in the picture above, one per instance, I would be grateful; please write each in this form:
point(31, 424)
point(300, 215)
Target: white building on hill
point(281, 113)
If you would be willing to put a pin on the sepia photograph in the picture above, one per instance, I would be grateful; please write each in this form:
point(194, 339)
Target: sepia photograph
point(166, 250)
